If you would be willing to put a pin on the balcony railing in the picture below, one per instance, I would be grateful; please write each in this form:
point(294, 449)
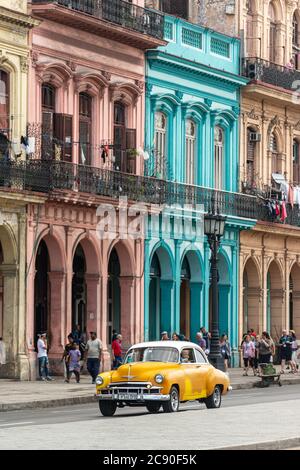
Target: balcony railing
point(273, 74)
point(47, 176)
point(118, 12)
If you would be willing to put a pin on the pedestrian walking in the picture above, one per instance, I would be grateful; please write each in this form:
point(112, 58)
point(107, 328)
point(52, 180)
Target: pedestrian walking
point(285, 345)
point(42, 355)
point(225, 351)
point(93, 355)
point(117, 351)
point(248, 354)
point(74, 364)
point(200, 340)
point(65, 357)
point(164, 336)
point(175, 337)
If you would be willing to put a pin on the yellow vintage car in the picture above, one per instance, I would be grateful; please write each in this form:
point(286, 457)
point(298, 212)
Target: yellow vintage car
point(161, 374)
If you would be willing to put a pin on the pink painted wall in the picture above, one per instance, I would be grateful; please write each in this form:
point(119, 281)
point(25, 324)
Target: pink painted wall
point(76, 61)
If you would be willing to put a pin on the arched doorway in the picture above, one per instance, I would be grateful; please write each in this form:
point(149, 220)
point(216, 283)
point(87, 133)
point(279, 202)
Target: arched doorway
point(294, 298)
point(185, 298)
point(275, 295)
point(251, 298)
point(191, 294)
point(79, 291)
point(41, 291)
point(114, 295)
point(154, 299)
point(161, 294)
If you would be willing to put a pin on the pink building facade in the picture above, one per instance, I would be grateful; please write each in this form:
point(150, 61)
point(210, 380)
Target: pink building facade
point(86, 114)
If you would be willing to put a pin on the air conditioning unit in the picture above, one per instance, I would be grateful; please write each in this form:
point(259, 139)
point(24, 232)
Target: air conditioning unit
point(252, 71)
point(254, 137)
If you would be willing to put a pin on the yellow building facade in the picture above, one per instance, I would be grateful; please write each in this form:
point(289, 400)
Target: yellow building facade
point(15, 25)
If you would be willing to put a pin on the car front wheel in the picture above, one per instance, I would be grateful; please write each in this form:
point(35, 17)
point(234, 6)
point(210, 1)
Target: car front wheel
point(107, 408)
point(214, 400)
point(153, 407)
point(172, 405)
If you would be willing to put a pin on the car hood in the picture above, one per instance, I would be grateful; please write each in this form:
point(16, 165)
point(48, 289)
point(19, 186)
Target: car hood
point(141, 371)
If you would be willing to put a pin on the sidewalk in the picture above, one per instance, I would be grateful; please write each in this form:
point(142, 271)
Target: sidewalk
point(16, 395)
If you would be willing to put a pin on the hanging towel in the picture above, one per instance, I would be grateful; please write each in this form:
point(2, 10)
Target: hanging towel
point(277, 209)
point(283, 212)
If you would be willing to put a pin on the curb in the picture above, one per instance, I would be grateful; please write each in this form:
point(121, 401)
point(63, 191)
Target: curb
point(90, 399)
point(237, 386)
point(47, 403)
point(279, 444)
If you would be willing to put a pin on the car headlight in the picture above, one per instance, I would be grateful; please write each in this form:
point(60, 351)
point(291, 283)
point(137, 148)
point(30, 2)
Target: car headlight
point(159, 378)
point(99, 380)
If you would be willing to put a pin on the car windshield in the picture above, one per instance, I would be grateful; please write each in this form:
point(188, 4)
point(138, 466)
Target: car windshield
point(152, 354)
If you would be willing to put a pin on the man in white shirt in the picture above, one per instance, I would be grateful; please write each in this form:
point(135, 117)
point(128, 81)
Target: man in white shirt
point(93, 354)
point(43, 357)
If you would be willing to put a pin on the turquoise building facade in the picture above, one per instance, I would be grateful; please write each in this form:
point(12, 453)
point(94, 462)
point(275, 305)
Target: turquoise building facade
point(192, 137)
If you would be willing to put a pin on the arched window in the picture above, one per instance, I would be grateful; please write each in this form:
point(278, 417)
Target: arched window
point(274, 153)
point(219, 157)
point(124, 140)
point(190, 151)
point(4, 103)
point(48, 110)
point(272, 32)
point(296, 41)
point(296, 162)
point(160, 144)
point(85, 128)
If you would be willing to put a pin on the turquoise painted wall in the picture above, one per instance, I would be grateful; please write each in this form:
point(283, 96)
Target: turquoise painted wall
point(195, 76)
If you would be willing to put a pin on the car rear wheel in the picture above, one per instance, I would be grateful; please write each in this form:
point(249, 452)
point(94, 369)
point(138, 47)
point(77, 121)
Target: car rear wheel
point(214, 400)
point(107, 408)
point(153, 407)
point(172, 405)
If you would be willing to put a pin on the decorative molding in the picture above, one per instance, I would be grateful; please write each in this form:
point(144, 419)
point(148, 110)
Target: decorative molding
point(140, 84)
point(252, 115)
point(24, 64)
point(273, 123)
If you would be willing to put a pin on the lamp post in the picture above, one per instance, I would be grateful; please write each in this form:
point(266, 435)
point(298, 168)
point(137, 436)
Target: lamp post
point(214, 227)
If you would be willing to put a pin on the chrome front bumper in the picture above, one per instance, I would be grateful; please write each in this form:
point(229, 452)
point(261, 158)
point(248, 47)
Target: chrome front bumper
point(132, 392)
point(138, 399)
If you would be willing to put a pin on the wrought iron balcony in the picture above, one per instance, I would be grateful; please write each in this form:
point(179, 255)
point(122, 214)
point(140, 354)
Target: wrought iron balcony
point(116, 12)
point(267, 72)
point(44, 176)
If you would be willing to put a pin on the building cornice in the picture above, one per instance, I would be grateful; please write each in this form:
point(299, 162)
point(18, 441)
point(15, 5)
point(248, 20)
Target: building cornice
point(17, 18)
point(277, 229)
point(193, 67)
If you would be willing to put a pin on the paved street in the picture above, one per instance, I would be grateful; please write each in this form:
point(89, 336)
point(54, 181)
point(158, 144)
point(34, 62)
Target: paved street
point(238, 422)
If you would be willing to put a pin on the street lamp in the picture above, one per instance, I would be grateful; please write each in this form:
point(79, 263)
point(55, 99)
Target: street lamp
point(214, 227)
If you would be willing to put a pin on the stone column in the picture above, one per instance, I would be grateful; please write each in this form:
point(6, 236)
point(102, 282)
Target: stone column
point(93, 311)
point(167, 306)
point(127, 309)
point(196, 308)
point(10, 319)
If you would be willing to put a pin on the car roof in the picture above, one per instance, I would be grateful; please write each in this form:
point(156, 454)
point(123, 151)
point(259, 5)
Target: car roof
point(167, 344)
